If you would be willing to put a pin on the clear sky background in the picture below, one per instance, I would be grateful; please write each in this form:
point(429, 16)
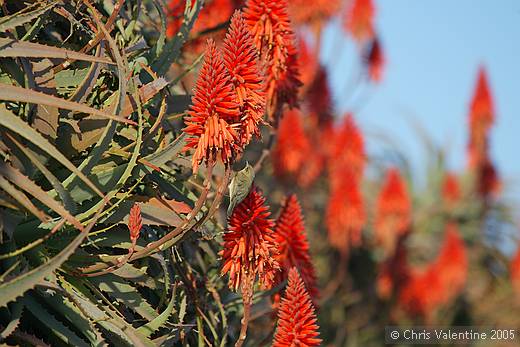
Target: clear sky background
point(433, 50)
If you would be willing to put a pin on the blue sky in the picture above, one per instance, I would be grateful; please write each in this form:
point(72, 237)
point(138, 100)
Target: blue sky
point(433, 49)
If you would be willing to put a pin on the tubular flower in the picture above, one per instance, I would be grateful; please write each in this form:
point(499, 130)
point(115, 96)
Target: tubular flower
point(347, 153)
point(514, 270)
point(296, 316)
point(451, 193)
point(393, 211)
point(292, 147)
point(212, 119)
point(375, 61)
point(345, 216)
point(249, 247)
point(135, 222)
point(275, 40)
point(293, 247)
point(241, 60)
point(358, 20)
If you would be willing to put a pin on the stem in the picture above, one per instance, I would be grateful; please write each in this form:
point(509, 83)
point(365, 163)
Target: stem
point(244, 322)
point(247, 297)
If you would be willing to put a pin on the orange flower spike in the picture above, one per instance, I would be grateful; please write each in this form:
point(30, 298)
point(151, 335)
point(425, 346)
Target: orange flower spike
point(297, 323)
point(375, 61)
point(293, 247)
point(481, 117)
point(293, 145)
point(274, 38)
point(241, 60)
point(358, 20)
point(482, 114)
point(135, 222)
point(393, 211)
point(345, 216)
point(452, 263)
point(347, 152)
point(249, 247)
point(212, 119)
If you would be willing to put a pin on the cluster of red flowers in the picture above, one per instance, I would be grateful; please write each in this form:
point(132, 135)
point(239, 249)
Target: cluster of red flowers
point(293, 247)
point(229, 102)
point(274, 38)
point(440, 281)
point(293, 145)
point(296, 317)
point(393, 211)
point(481, 118)
point(345, 215)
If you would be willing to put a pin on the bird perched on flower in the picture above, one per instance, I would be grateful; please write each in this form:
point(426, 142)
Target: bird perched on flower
point(249, 245)
point(240, 186)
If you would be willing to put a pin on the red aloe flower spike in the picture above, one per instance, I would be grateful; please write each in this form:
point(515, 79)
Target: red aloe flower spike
point(452, 263)
point(135, 223)
point(358, 20)
point(482, 113)
point(375, 61)
point(296, 317)
point(481, 117)
point(293, 145)
point(249, 246)
point(393, 211)
point(241, 60)
point(214, 115)
point(345, 215)
point(293, 246)
point(274, 38)
point(346, 153)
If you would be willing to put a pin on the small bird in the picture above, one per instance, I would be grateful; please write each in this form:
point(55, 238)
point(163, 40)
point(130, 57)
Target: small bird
point(240, 186)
